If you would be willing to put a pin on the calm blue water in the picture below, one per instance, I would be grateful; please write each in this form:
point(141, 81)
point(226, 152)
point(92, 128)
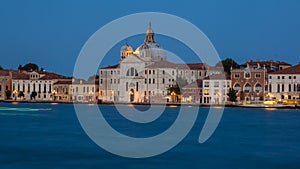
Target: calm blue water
point(245, 138)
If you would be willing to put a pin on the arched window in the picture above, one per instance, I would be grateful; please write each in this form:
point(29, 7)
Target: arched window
point(258, 88)
point(132, 72)
point(237, 87)
point(247, 88)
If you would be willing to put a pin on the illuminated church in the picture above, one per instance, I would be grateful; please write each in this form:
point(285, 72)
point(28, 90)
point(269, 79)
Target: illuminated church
point(144, 75)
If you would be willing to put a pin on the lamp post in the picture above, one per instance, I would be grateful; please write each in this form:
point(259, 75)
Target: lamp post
point(15, 92)
point(54, 92)
point(173, 96)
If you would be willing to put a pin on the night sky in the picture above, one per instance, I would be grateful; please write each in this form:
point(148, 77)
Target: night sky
point(52, 33)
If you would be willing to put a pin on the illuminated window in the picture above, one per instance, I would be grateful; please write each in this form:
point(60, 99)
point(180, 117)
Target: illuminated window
point(206, 92)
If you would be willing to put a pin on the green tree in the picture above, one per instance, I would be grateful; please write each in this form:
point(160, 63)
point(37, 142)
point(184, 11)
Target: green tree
point(228, 63)
point(8, 94)
point(232, 95)
point(175, 89)
point(93, 78)
point(20, 67)
point(1, 68)
point(33, 95)
point(30, 66)
point(21, 94)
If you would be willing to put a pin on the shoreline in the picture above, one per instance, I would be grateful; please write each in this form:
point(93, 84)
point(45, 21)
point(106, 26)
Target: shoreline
point(251, 106)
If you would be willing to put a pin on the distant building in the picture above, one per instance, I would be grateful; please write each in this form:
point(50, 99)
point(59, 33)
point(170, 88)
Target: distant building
point(284, 84)
point(215, 89)
point(76, 91)
point(5, 82)
point(192, 93)
point(250, 83)
point(34, 82)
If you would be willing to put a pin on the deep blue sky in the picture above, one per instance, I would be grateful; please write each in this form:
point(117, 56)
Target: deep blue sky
point(52, 32)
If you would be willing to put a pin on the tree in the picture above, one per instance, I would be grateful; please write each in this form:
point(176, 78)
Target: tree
point(227, 64)
point(1, 68)
point(180, 82)
point(175, 89)
point(8, 94)
point(232, 95)
point(93, 78)
point(20, 67)
point(29, 66)
point(21, 94)
point(33, 95)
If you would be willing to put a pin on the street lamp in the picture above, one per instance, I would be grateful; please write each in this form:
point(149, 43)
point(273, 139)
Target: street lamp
point(54, 92)
point(15, 92)
point(173, 96)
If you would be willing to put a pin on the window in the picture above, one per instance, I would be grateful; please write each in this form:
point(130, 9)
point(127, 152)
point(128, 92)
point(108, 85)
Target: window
point(294, 77)
point(39, 88)
point(173, 73)
point(290, 77)
point(216, 84)
point(258, 88)
point(236, 76)
point(206, 92)
point(247, 75)
point(153, 71)
point(282, 77)
point(163, 72)
point(270, 88)
point(111, 72)
point(153, 81)
point(206, 84)
point(149, 81)
point(270, 77)
point(87, 89)
point(115, 81)
point(282, 87)
point(163, 80)
point(149, 72)
point(290, 87)
point(298, 87)
point(278, 77)
point(111, 81)
point(237, 87)
point(137, 86)
point(132, 72)
point(278, 88)
point(145, 72)
point(247, 88)
point(257, 75)
point(83, 89)
point(101, 81)
point(76, 89)
point(126, 86)
point(145, 81)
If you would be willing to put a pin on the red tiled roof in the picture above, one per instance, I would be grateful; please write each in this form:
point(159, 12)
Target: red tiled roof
point(290, 70)
point(266, 63)
point(111, 67)
point(223, 76)
point(194, 85)
point(4, 73)
point(25, 75)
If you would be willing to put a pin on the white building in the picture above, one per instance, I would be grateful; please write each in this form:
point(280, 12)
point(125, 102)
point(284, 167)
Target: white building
point(215, 89)
point(284, 84)
point(30, 82)
point(144, 75)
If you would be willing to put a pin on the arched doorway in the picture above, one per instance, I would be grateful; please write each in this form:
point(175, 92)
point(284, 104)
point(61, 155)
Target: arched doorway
point(131, 95)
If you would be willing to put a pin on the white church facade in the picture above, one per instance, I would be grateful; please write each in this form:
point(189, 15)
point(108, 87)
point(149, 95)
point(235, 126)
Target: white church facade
point(144, 75)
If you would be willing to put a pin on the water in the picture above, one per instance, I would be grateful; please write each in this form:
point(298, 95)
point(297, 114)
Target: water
point(50, 136)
